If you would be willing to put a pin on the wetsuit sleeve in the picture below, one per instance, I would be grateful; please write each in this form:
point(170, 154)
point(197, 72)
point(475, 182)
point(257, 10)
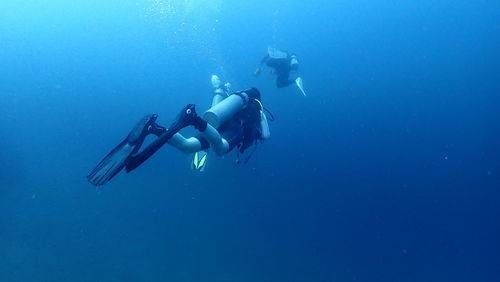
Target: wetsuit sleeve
point(264, 60)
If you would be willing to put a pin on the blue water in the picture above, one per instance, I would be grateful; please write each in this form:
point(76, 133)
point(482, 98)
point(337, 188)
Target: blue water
point(388, 171)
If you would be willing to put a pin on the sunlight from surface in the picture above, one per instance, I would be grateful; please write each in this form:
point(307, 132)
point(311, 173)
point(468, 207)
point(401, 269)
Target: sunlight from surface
point(188, 22)
point(167, 9)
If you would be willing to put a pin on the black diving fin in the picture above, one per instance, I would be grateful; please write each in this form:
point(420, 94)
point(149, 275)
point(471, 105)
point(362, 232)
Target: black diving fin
point(116, 160)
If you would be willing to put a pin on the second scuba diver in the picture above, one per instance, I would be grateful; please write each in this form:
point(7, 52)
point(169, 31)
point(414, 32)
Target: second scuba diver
point(236, 121)
point(283, 64)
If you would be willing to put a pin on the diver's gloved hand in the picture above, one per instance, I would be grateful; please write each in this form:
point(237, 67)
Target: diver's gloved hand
point(188, 116)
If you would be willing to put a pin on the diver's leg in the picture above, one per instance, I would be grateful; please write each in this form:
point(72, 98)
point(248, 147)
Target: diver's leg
point(185, 118)
point(217, 99)
point(186, 145)
point(219, 144)
point(282, 80)
point(193, 144)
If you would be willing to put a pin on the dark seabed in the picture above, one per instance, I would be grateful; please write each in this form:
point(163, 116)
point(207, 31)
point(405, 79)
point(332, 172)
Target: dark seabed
point(388, 170)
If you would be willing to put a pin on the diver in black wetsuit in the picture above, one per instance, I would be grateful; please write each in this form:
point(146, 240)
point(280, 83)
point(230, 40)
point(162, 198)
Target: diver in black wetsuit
point(283, 64)
point(240, 123)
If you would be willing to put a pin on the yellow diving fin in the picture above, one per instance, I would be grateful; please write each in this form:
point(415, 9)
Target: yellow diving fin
point(199, 160)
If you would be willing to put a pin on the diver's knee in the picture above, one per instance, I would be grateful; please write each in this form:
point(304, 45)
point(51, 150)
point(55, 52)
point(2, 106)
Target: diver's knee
point(223, 148)
point(185, 145)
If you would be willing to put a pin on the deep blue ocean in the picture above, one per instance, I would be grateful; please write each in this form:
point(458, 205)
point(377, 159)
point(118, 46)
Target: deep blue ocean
point(388, 171)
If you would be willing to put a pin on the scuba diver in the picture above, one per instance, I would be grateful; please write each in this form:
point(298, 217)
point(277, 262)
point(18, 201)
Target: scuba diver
point(238, 121)
point(283, 64)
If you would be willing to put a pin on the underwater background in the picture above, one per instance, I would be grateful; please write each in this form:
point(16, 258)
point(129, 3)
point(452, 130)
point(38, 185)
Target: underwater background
point(387, 171)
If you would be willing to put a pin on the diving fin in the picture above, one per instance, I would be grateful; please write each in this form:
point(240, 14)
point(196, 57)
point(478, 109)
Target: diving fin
point(300, 85)
point(186, 117)
point(199, 161)
point(116, 160)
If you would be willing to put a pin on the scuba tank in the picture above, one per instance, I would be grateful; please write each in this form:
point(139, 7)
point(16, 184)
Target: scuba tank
point(226, 109)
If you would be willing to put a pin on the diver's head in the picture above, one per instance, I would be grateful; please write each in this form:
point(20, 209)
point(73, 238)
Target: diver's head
point(253, 93)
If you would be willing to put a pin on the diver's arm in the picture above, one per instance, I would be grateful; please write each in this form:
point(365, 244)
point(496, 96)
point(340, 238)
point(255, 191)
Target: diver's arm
point(264, 127)
point(262, 62)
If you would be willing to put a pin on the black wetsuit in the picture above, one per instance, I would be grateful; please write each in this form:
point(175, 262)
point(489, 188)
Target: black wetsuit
point(282, 68)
